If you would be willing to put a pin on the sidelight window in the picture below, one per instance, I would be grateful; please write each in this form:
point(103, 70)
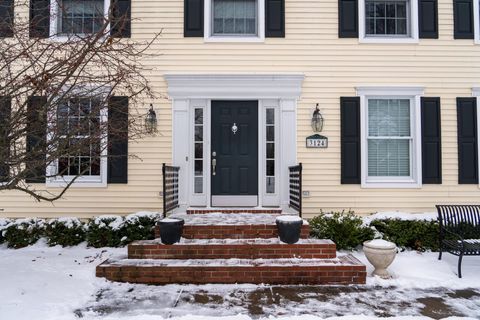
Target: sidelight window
point(198, 152)
point(270, 150)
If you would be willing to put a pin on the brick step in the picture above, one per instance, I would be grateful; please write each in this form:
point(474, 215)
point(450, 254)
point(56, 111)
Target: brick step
point(229, 248)
point(343, 270)
point(231, 226)
point(230, 211)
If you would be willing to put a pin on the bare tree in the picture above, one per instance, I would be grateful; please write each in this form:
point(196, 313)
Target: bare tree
point(63, 98)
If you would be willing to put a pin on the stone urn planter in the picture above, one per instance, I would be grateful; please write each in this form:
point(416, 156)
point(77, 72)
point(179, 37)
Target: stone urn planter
point(289, 228)
point(380, 253)
point(171, 230)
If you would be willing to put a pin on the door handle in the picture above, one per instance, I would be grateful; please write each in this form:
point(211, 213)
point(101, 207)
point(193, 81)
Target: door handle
point(214, 165)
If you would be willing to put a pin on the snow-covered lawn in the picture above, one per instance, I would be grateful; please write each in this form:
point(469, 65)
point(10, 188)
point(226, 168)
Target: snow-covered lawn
point(45, 283)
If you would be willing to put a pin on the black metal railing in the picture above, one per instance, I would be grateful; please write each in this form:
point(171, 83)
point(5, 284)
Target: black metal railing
point(295, 187)
point(170, 188)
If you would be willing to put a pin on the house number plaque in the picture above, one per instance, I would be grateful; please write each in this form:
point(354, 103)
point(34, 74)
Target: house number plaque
point(317, 141)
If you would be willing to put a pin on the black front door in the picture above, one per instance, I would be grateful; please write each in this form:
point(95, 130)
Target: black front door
point(234, 153)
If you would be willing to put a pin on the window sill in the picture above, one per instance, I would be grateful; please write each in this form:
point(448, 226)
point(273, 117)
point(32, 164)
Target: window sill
point(79, 183)
point(388, 40)
point(233, 39)
point(404, 184)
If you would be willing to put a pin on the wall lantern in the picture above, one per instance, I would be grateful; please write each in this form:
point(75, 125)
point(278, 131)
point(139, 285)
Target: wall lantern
point(151, 120)
point(317, 120)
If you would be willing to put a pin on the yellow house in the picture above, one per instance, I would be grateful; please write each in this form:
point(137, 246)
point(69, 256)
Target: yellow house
point(396, 83)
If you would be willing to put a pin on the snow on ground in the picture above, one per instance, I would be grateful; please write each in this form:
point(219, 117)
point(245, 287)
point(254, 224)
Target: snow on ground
point(45, 283)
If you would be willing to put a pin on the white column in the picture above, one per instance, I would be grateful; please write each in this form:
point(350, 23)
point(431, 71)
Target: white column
point(288, 145)
point(180, 143)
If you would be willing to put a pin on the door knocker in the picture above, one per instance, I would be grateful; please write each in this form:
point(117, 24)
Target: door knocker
point(234, 128)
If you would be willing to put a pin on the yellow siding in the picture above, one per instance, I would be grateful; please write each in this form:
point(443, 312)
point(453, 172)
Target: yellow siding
point(333, 67)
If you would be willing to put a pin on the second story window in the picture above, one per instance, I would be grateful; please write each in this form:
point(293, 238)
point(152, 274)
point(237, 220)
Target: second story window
point(386, 18)
point(234, 17)
point(234, 20)
point(388, 21)
point(80, 17)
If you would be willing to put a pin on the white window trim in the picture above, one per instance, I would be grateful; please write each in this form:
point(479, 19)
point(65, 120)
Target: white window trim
point(476, 94)
point(209, 37)
point(412, 16)
point(414, 94)
point(54, 9)
point(99, 181)
point(476, 20)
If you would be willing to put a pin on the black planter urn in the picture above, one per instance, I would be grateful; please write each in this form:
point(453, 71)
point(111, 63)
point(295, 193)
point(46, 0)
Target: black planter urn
point(289, 228)
point(171, 230)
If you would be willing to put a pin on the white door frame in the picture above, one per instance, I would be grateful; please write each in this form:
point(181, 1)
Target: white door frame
point(279, 91)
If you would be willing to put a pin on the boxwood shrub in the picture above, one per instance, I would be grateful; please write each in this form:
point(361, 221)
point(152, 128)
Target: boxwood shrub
point(23, 232)
point(344, 228)
point(65, 232)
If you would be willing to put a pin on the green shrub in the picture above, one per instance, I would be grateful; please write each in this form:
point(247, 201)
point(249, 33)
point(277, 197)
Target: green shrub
point(23, 232)
point(139, 226)
point(3, 225)
point(413, 234)
point(65, 232)
point(105, 231)
point(345, 229)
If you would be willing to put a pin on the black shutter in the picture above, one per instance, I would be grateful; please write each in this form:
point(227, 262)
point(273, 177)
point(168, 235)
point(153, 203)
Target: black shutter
point(428, 19)
point(431, 141)
point(5, 109)
point(347, 19)
point(36, 139)
point(6, 18)
point(121, 19)
point(39, 18)
point(193, 18)
point(467, 140)
point(118, 140)
point(275, 18)
point(350, 140)
point(463, 19)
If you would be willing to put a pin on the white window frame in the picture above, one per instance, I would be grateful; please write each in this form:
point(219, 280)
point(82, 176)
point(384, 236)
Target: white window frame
point(208, 23)
point(476, 94)
point(412, 26)
point(54, 10)
point(414, 94)
point(476, 20)
point(97, 181)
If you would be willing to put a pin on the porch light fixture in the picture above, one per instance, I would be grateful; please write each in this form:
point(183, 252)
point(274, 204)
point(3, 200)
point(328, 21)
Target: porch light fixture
point(317, 120)
point(151, 120)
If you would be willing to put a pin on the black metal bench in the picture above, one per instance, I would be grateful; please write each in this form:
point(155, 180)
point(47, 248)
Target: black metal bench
point(459, 231)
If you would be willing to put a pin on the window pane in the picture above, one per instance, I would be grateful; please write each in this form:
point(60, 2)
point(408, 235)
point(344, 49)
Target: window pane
point(234, 17)
point(198, 116)
point(386, 17)
point(270, 116)
point(198, 185)
point(198, 167)
point(388, 158)
point(270, 133)
point(198, 133)
point(80, 17)
point(270, 184)
point(198, 150)
point(389, 117)
point(270, 167)
point(270, 150)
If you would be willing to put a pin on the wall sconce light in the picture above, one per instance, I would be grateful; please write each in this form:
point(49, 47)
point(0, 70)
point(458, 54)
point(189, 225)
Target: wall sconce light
point(317, 120)
point(151, 120)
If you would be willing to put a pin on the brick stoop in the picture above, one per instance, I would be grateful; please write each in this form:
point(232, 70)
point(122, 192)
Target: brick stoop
point(226, 249)
point(250, 231)
point(343, 270)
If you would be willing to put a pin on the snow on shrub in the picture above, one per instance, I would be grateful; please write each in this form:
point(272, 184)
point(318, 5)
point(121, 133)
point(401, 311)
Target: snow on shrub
point(23, 232)
point(3, 225)
point(65, 232)
point(140, 226)
point(344, 228)
point(105, 231)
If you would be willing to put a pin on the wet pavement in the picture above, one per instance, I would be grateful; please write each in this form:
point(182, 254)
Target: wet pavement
point(262, 301)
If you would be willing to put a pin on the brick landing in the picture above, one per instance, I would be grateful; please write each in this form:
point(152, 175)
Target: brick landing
point(239, 249)
point(342, 270)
